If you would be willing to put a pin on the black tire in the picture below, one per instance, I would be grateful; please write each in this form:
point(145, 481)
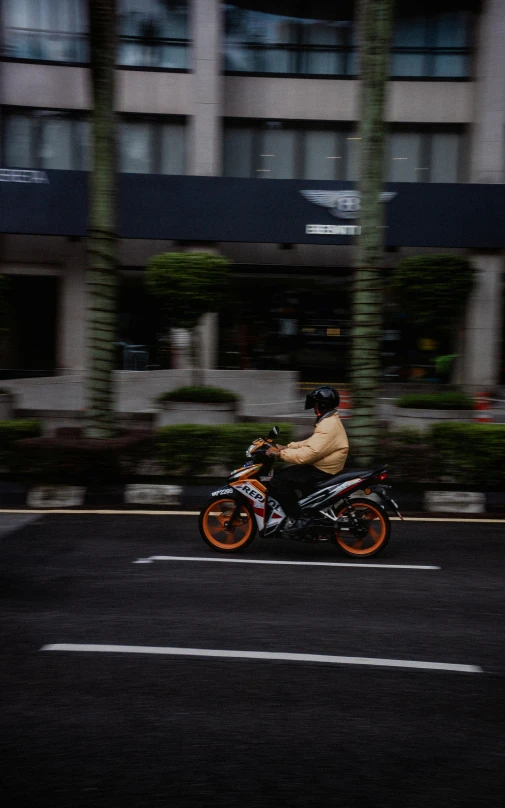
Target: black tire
point(212, 530)
point(377, 537)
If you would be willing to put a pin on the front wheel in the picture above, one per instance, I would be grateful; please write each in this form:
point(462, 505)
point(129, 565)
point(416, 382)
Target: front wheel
point(369, 528)
point(223, 531)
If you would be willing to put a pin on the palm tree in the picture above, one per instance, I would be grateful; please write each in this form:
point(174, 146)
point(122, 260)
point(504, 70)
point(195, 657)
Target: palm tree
point(375, 40)
point(102, 260)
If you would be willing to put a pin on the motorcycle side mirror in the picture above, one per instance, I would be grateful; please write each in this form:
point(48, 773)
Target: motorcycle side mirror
point(274, 432)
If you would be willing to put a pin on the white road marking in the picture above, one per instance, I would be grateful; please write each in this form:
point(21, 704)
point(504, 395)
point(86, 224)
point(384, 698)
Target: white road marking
point(362, 565)
point(268, 655)
point(124, 512)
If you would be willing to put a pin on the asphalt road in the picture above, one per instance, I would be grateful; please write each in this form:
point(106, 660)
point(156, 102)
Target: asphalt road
point(130, 729)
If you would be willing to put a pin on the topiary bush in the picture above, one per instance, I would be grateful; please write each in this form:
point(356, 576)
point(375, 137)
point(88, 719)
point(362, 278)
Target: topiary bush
point(203, 395)
point(188, 449)
point(436, 401)
point(433, 289)
point(471, 454)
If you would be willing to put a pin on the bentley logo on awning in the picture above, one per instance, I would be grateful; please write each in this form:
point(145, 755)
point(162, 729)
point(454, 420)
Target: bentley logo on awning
point(342, 204)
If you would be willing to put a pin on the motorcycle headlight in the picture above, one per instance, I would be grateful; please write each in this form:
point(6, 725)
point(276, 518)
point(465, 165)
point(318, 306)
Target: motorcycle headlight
point(250, 451)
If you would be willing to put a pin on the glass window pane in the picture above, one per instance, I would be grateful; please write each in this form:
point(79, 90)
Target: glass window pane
point(408, 64)
point(452, 30)
point(410, 32)
point(56, 143)
point(135, 148)
point(21, 14)
point(174, 56)
point(173, 148)
point(83, 145)
point(276, 160)
point(352, 145)
point(18, 142)
point(273, 60)
point(404, 158)
point(323, 155)
point(451, 65)
point(445, 148)
point(237, 157)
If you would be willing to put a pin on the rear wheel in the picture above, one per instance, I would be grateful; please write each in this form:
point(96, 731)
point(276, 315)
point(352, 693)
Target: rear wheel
point(222, 532)
point(370, 532)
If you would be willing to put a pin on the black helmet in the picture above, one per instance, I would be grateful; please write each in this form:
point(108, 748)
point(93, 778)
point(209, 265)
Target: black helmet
point(326, 398)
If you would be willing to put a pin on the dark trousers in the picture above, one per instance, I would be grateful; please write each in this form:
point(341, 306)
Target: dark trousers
point(286, 482)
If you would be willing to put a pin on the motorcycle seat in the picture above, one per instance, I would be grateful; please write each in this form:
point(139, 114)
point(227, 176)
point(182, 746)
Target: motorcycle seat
point(344, 476)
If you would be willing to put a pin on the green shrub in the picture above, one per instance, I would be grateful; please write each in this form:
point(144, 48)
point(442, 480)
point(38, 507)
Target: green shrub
point(409, 455)
point(192, 448)
point(70, 457)
point(14, 430)
point(206, 395)
point(436, 401)
point(471, 454)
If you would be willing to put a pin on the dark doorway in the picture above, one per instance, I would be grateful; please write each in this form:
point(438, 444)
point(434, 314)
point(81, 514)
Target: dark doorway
point(29, 344)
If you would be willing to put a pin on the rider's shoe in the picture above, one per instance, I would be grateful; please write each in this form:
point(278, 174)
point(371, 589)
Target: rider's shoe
point(294, 527)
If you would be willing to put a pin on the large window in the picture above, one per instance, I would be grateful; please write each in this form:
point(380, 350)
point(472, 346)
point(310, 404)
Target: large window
point(58, 139)
point(276, 42)
point(46, 30)
point(292, 38)
point(152, 146)
point(153, 33)
point(285, 150)
point(426, 155)
point(432, 46)
point(44, 139)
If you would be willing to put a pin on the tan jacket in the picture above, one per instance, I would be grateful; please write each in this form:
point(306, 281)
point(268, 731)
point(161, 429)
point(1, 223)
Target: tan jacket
point(326, 449)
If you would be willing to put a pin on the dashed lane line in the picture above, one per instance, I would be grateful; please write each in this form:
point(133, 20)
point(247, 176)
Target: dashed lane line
point(361, 565)
point(325, 659)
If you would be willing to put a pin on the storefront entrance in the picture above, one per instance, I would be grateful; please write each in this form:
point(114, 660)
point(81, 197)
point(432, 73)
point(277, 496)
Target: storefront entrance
point(287, 322)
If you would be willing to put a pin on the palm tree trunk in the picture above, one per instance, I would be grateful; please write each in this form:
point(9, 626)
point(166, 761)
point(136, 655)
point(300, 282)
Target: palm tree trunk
point(102, 261)
point(375, 41)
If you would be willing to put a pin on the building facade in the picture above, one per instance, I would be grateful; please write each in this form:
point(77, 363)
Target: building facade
point(237, 131)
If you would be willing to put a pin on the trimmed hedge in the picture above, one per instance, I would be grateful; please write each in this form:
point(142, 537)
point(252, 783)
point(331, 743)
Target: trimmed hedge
point(451, 400)
point(14, 430)
point(204, 395)
point(69, 457)
point(471, 454)
point(409, 455)
point(191, 448)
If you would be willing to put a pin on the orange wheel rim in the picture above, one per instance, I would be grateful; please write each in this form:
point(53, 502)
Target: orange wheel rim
point(214, 525)
point(377, 529)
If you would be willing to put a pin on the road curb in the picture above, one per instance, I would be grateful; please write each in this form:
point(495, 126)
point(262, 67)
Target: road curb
point(155, 496)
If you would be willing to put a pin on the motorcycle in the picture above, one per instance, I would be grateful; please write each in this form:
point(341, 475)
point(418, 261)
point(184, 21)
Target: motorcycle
point(349, 509)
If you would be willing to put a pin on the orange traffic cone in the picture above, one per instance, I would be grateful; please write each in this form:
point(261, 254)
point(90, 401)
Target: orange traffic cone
point(482, 409)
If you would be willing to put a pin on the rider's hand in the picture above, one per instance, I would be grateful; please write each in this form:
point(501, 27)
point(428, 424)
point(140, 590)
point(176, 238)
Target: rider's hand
point(273, 451)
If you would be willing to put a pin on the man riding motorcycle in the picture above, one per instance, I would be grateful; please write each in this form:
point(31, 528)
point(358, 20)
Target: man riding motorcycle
point(316, 459)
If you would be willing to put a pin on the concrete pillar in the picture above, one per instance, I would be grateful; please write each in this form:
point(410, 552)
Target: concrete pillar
point(488, 131)
point(209, 340)
point(71, 331)
point(207, 89)
point(482, 338)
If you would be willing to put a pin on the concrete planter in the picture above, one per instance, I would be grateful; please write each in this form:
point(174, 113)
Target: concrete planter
point(6, 406)
point(424, 419)
point(56, 496)
point(455, 501)
point(192, 412)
